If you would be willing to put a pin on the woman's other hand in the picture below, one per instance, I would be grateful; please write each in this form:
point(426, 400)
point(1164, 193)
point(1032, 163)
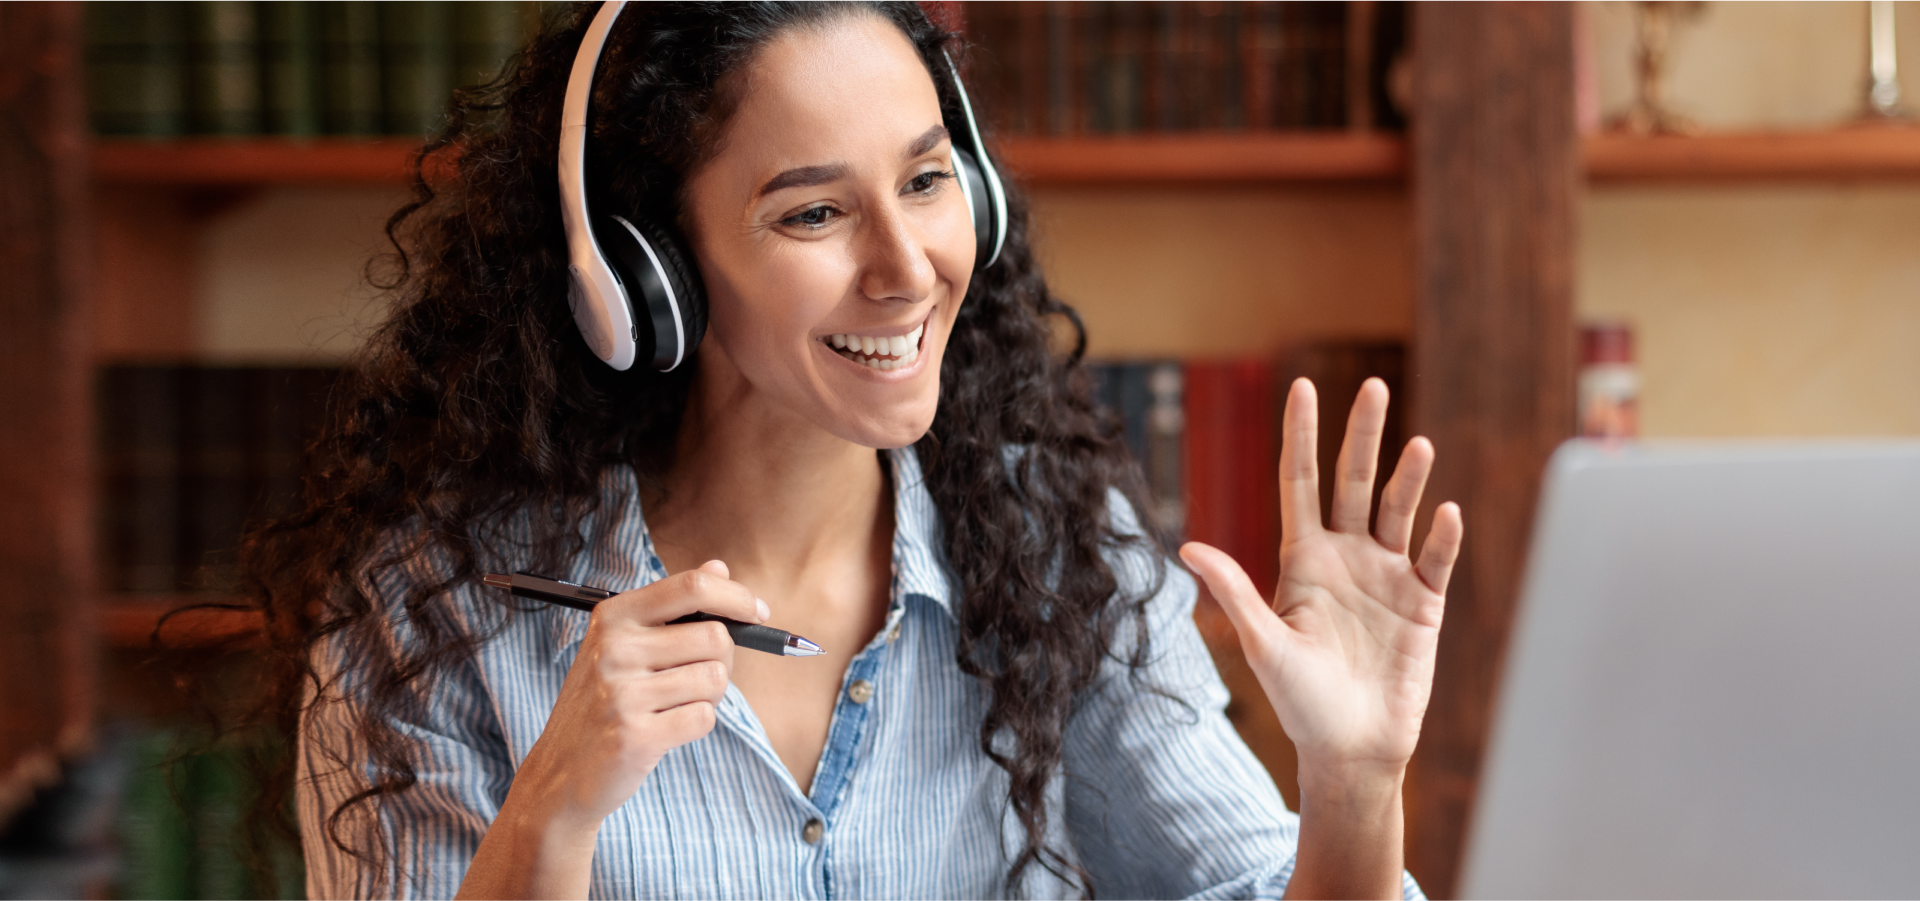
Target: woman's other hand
point(1345, 651)
point(638, 689)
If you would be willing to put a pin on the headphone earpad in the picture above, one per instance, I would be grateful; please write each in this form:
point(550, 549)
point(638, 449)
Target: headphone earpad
point(979, 205)
point(675, 315)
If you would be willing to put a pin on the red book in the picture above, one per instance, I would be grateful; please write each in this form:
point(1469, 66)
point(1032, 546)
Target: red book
point(1232, 469)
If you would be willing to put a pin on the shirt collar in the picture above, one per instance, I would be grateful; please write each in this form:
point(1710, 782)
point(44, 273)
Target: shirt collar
point(620, 555)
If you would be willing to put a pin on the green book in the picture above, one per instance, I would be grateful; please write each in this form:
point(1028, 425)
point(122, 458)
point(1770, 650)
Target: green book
point(350, 67)
point(135, 79)
point(156, 834)
point(416, 55)
point(290, 67)
point(485, 34)
point(223, 68)
point(220, 790)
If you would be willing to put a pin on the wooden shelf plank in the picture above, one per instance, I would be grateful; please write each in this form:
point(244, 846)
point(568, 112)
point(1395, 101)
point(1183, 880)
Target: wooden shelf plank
point(127, 620)
point(1336, 157)
point(252, 162)
point(1878, 152)
point(1198, 158)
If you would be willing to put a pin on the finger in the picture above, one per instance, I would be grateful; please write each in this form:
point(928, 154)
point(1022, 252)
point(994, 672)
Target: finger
point(718, 568)
point(1441, 548)
point(1401, 499)
point(705, 680)
point(1359, 457)
point(1229, 585)
point(695, 590)
point(678, 645)
point(688, 722)
point(1299, 464)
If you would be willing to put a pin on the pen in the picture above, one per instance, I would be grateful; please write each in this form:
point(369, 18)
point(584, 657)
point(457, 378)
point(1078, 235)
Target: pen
point(586, 597)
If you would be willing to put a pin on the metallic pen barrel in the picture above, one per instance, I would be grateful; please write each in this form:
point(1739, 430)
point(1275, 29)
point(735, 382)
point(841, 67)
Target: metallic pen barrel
point(752, 636)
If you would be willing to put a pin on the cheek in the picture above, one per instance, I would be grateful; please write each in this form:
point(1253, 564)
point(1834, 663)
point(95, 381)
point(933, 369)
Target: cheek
point(767, 306)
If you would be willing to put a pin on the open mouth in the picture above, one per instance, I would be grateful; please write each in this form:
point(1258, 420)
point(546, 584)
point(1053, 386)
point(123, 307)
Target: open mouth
point(882, 353)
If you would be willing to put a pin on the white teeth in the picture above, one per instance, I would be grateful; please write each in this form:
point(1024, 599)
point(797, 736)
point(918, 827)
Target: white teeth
point(839, 341)
point(913, 337)
point(899, 343)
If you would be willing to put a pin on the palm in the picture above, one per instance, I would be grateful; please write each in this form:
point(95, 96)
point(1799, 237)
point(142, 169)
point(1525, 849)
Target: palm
point(1345, 652)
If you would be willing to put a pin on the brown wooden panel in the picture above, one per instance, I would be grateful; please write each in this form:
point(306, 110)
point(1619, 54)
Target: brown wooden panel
point(46, 646)
point(145, 250)
point(1495, 165)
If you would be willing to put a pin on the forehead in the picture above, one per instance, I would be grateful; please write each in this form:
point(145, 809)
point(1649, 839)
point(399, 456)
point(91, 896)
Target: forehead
point(837, 91)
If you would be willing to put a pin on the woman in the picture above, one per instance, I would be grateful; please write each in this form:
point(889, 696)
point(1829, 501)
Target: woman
point(1013, 699)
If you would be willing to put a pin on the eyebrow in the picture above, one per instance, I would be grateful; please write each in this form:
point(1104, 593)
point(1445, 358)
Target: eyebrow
point(808, 176)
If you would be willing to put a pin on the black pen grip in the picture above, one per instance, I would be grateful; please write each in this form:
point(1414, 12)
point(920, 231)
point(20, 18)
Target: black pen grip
point(765, 639)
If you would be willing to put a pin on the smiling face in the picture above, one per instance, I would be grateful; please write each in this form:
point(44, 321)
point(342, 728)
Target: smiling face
point(832, 235)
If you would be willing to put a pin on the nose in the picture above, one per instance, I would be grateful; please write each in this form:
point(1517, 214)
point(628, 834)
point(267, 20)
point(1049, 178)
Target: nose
point(893, 258)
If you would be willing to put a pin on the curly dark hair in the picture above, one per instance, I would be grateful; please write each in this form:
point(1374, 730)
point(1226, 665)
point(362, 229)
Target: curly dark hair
point(478, 399)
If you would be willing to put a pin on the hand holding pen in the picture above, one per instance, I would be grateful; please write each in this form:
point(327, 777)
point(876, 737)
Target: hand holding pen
point(642, 684)
point(752, 636)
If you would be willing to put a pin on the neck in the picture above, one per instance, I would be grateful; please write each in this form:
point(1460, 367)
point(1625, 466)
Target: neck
point(780, 501)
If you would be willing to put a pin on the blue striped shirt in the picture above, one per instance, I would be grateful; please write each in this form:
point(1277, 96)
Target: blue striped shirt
point(1157, 799)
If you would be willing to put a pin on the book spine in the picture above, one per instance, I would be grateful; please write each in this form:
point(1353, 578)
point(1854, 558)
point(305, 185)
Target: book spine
point(290, 67)
point(1125, 85)
point(135, 68)
point(149, 415)
point(1327, 84)
point(1259, 51)
point(223, 87)
point(1359, 64)
point(1061, 110)
point(1231, 460)
point(350, 67)
point(219, 788)
point(1032, 68)
point(416, 50)
point(486, 34)
point(156, 834)
point(1166, 434)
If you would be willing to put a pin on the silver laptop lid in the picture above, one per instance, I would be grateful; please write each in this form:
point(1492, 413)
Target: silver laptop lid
point(1713, 686)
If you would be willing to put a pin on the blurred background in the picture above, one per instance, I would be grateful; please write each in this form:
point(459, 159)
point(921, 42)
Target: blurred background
point(1533, 220)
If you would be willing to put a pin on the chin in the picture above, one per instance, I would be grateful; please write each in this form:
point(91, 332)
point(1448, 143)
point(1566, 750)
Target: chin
point(891, 429)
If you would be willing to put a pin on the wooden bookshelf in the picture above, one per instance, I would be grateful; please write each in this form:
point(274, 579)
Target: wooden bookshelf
point(1331, 156)
point(127, 620)
point(1868, 152)
point(1850, 153)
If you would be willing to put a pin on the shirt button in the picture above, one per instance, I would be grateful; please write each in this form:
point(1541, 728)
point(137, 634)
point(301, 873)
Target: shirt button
point(812, 831)
point(860, 692)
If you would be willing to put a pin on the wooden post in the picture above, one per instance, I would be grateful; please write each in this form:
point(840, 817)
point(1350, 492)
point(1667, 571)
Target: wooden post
point(1495, 163)
point(46, 594)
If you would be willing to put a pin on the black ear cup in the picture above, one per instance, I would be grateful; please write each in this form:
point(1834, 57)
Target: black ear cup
point(979, 203)
point(669, 300)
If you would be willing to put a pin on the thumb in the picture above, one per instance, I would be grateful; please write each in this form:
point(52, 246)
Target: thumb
point(718, 568)
point(1230, 586)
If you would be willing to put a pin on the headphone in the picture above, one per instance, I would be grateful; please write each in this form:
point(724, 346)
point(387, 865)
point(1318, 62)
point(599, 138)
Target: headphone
point(634, 290)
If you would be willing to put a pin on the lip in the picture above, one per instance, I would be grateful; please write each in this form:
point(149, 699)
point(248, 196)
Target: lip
point(891, 375)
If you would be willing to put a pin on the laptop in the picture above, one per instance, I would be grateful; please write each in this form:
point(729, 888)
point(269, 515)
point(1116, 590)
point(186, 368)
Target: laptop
point(1713, 684)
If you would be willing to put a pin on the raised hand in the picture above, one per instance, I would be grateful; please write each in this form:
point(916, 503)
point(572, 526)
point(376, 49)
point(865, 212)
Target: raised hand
point(1345, 650)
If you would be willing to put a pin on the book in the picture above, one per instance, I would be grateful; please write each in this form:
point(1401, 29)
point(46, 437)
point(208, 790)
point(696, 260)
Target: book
point(416, 65)
point(350, 67)
point(223, 68)
point(290, 68)
point(156, 832)
point(485, 34)
point(1145, 396)
point(136, 77)
point(1232, 459)
point(190, 456)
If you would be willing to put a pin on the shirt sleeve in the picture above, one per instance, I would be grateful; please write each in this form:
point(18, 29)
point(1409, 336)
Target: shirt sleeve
point(1163, 799)
point(423, 838)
